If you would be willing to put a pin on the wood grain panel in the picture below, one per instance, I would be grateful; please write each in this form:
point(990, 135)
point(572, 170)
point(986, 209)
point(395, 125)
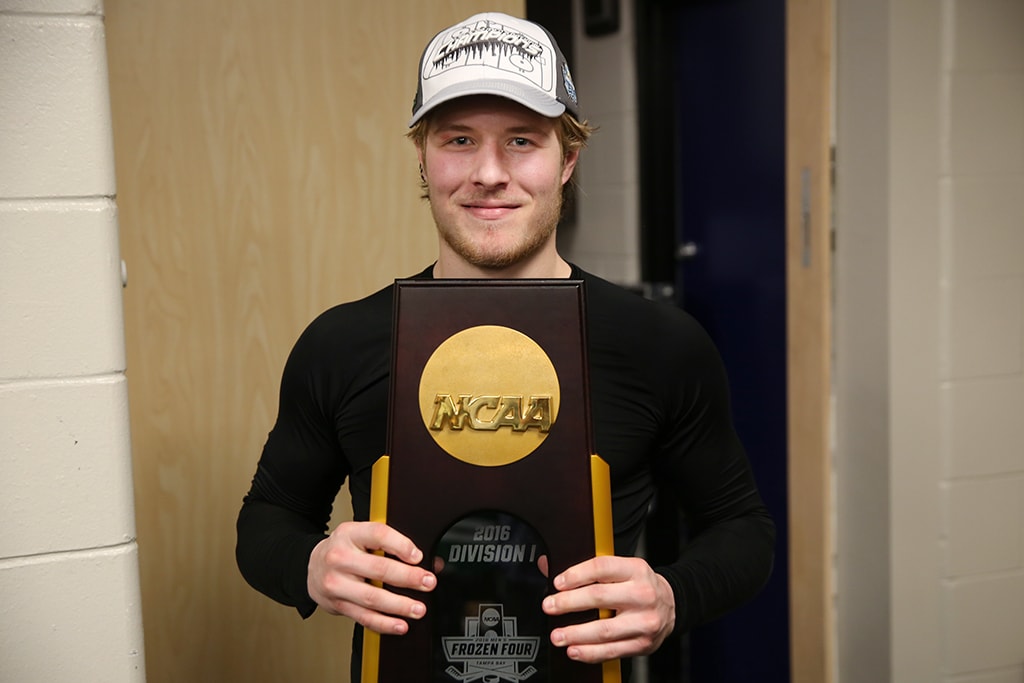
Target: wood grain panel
point(808, 259)
point(263, 176)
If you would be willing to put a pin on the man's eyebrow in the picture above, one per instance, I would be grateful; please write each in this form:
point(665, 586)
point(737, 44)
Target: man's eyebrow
point(535, 130)
point(455, 127)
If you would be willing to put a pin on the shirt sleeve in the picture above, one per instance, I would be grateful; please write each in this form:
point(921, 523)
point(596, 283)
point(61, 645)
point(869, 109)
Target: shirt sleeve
point(728, 554)
point(301, 469)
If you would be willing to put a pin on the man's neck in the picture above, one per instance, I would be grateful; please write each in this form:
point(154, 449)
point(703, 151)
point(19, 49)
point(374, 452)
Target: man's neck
point(549, 268)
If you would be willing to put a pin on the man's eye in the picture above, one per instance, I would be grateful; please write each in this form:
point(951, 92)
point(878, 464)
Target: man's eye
point(520, 142)
point(460, 140)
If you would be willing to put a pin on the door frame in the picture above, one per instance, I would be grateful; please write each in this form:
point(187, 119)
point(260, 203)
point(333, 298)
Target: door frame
point(809, 25)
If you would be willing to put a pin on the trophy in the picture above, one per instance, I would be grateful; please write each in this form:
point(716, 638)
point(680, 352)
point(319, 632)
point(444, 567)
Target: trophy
point(490, 470)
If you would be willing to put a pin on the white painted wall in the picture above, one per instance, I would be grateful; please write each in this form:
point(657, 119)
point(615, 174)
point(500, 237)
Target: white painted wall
point(69, 588)
point(606, 237)
point(861, 341)
point(930, 340)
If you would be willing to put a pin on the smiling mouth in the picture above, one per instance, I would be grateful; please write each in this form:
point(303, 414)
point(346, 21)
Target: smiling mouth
point(490, 211)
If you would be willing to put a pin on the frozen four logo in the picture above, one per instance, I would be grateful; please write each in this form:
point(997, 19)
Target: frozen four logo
point(491, 649)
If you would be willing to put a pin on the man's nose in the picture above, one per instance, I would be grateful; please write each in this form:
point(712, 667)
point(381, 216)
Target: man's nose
point(491, 167)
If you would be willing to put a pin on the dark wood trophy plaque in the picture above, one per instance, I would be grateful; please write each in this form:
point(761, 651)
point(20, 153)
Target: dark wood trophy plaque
point(490, 470)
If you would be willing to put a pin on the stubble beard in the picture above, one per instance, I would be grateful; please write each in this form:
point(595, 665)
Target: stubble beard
point(476, 253)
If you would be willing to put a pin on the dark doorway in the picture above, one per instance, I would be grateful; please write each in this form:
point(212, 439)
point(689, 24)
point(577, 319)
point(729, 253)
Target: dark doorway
point(711, 77)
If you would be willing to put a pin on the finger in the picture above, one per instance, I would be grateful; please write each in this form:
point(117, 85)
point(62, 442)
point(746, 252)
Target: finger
point(349, 570)
point(395, 573)
point(372, 606)
point(612, 596)
point(391, 572)
point(602, 652)
point(595, 641)
point(604, 569)
point(375, 621)
point(628, 626)
point(347, 552)
point(376, 536)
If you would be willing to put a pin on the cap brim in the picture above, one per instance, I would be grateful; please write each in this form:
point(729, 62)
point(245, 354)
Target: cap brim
point(529, 97)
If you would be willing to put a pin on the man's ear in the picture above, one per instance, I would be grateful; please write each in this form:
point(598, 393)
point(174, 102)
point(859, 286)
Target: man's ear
point(419, 158)
point(569, 165)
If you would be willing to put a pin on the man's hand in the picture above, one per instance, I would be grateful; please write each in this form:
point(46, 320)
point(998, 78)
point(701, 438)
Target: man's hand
point(341, 566)
point(641, 600)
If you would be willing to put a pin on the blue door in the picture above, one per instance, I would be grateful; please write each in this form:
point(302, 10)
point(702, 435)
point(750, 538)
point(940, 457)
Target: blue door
point(712, 80)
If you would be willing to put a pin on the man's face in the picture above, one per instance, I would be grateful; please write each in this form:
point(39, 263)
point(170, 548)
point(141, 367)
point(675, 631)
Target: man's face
point(494, 172)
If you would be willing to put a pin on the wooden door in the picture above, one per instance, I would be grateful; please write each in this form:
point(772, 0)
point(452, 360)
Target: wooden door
point(262, 177)
point(809, 347)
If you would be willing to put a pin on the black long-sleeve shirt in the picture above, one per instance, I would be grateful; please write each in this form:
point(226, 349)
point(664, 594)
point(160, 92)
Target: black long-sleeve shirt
point(660, 413)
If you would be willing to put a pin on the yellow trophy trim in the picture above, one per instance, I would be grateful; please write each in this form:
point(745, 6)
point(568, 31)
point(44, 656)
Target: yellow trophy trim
point(604, 539)
point(378, 513)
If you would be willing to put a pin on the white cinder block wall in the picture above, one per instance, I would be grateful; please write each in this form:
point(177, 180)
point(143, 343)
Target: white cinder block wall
point(930, 389)
point(606, 237)
point(69, 586)
point(981, 338)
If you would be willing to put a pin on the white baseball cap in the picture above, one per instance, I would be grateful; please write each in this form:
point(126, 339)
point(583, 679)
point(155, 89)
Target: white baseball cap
point(495, 54)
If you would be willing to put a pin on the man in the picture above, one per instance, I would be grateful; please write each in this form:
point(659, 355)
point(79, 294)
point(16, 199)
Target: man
point(497, 132)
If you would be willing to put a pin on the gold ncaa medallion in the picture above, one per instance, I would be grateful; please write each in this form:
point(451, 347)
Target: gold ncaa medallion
point(489, 395)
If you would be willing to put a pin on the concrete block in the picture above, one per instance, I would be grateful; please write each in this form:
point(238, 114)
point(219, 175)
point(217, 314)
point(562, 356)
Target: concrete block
point(986, 328)
point(983, 527)
point(60, 274)
point(611, 156)
point(986, 213)
point(984, 622)
point(604, 73)
point(986, 36)
point(65, 466)
point(608, 218)
point(84, 7)
point(56, 138)
point(72, 617)
point(985, 423)
point(1013, 675)
point(987, 123)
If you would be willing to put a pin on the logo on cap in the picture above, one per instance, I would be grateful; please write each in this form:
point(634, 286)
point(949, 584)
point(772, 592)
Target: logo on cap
point(570, 87)
point(491, 44)
point(486, 34)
